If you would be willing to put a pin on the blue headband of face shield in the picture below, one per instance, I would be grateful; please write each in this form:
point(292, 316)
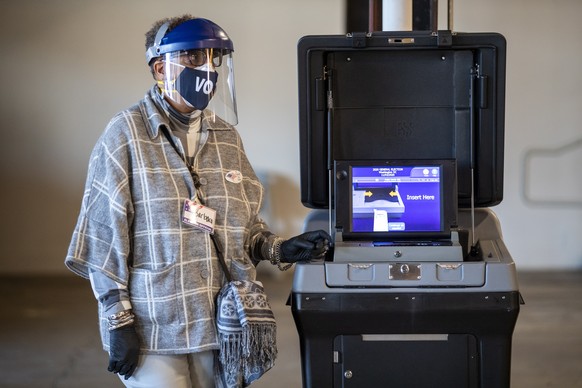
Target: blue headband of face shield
point(196, 33)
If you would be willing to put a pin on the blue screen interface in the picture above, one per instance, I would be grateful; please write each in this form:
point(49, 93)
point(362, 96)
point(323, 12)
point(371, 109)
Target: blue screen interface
point(397, 198)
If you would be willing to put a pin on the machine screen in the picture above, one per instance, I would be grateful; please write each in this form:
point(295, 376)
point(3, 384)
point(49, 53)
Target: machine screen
point(396, 198)
point(388, 199)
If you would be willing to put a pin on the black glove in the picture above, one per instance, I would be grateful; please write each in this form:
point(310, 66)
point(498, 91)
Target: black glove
point(123, 351)
point(306, 246)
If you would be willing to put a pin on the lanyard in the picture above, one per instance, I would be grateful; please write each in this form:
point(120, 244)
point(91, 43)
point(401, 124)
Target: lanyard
point(197, 184)
point(193, 173)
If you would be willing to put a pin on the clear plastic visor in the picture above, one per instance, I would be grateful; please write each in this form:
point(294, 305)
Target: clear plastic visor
point(201, 79)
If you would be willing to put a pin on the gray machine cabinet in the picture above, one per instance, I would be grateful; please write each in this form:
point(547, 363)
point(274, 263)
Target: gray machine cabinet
point(441, 332)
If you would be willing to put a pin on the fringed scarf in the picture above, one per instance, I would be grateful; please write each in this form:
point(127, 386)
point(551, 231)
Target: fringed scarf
point(247, 332)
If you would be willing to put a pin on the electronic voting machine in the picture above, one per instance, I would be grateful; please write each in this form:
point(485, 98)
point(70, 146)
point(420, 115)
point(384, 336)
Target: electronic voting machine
point(401, 137)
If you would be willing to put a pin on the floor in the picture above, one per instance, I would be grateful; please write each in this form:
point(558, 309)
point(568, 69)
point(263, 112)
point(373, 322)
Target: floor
point(48, 334)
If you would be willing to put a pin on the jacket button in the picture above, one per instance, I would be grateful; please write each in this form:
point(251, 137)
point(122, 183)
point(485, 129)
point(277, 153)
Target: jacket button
point(204, 273)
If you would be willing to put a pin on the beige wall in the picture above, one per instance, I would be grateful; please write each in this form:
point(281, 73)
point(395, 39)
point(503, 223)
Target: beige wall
point(67, 66)
point(541, 216)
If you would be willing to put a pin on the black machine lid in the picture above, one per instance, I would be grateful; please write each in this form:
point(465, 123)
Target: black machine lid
point(403, 95)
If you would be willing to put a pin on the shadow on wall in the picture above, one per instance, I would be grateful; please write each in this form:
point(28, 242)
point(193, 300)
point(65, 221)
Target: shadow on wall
point(38, 221)
point(282, 207)
point(552, 175)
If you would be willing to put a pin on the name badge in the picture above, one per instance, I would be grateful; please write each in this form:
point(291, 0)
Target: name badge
point(199, 216)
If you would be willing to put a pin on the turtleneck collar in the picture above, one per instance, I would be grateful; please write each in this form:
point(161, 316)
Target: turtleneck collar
point(183, 120)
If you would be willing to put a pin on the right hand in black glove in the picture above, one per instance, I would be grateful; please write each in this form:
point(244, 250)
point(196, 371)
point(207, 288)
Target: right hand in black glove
point(123, 351)
point(307, 246)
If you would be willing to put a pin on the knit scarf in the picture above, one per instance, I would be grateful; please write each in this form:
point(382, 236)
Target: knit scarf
point(247, 332)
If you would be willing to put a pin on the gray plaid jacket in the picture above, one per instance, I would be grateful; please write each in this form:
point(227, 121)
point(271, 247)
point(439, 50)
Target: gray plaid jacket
point(130, 228)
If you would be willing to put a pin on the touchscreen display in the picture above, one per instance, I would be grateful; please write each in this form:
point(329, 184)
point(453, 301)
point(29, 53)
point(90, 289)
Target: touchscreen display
point(382, 200)
point(396, 198)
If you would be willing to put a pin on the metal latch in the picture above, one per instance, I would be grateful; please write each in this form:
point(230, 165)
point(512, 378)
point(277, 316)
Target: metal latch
point(400, 41)
point(404, 271)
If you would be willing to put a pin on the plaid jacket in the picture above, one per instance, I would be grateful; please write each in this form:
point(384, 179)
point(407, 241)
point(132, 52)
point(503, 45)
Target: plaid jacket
point(130, 228)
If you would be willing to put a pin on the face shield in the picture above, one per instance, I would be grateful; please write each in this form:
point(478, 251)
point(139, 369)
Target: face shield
point(201, 79)
point(198, 68)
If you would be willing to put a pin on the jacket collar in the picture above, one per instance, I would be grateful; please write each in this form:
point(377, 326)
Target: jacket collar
point(155, 117)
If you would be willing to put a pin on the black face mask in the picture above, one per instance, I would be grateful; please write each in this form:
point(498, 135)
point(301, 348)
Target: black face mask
point(197, 86)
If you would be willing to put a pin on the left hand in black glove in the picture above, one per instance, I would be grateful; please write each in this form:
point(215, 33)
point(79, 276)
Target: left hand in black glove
point(306, 246)
point(123, 351)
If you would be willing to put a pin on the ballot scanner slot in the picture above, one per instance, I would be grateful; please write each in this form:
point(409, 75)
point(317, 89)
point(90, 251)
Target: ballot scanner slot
point(411, 243)
point(348, 252)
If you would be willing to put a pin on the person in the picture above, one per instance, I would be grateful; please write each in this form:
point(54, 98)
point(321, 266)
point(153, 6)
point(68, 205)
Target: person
point(166, 175)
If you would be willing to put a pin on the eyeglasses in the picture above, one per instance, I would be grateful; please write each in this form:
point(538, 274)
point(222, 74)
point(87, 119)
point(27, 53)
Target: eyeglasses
point(200, 57)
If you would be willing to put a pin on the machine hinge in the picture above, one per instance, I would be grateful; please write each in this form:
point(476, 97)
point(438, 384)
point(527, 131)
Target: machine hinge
point(444, 38)
point(322, 93)
point(475, 71)
point(482, 87)
point(327, 77)
point(359, 39)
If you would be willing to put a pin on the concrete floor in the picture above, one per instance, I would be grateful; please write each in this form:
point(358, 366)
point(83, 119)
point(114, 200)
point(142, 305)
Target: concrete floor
point(48, 334)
